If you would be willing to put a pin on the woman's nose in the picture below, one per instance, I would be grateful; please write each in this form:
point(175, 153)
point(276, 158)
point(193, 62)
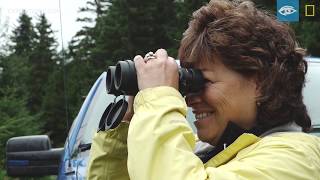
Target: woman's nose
point(193, 99)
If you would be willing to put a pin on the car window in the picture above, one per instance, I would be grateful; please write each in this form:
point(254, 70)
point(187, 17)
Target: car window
point(311, 92)
point(315, 132)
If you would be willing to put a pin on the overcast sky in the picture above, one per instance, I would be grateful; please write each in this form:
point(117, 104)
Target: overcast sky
point(11, 9)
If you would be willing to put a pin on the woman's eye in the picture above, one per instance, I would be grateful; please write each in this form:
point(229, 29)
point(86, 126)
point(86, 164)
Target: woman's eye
point(208, 79)
point(208, 82)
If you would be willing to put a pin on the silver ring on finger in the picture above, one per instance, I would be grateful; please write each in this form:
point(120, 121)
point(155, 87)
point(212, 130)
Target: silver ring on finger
point(149, 56)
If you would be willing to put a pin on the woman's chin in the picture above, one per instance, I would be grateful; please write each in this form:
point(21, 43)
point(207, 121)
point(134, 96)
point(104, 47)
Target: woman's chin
point(207, 129)
point(204, 138)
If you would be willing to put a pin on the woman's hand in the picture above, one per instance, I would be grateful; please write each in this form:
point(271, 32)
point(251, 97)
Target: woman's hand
point(159, 71)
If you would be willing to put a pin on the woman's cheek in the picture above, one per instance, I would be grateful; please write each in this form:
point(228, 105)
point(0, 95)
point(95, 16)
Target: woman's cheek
point(209, 95)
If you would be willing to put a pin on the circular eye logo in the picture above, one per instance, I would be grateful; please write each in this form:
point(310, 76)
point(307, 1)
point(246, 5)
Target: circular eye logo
point(287, 10)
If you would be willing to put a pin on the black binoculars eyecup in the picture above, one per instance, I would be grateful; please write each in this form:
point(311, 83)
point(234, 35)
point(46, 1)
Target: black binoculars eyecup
point(190, 81)
point(116, 114)
point(110, 81)
point(113, 115)
point(126, 77)
point(102, 123)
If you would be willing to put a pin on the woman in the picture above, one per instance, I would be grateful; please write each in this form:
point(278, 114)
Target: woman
point(250, 109)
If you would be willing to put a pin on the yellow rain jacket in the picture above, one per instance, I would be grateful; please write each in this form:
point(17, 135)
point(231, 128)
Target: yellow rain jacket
point(159, 146)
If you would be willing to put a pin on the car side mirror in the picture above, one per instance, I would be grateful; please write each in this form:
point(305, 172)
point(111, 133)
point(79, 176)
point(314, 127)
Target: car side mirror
point(32, 156)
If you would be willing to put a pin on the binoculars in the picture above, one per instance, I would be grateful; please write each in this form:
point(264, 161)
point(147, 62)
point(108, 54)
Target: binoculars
point(122, 79)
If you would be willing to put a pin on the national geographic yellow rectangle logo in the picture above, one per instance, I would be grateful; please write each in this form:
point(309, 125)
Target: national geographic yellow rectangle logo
point(309, 10)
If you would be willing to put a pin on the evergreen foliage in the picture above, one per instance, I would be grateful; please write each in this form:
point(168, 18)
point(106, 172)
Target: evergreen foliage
point(23, 36)
point(41, 62)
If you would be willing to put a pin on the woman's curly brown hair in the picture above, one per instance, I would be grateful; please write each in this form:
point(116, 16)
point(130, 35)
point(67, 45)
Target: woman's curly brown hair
point(253, 43)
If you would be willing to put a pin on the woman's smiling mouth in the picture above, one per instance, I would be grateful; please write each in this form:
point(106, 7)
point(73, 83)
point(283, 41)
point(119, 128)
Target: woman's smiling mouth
point(203, 115)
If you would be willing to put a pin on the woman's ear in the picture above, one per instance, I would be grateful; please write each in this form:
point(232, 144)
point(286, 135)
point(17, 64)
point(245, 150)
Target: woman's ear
point(258, 90)
point(256, 82)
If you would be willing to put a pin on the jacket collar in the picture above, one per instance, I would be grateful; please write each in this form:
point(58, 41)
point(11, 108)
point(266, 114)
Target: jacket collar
point(245, 140)
point(231, 151)
point(289, 127)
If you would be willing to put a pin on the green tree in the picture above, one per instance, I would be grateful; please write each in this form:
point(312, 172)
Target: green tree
point(23, 36)
point(15, 119)
point(134, 27)
point(14, 74)
point(4, 26)
point(54, 108)
point(266, 5)
point(185, 10)
point(41, 62)
point(84, 44)
point(308, 36)
point(16, 65)
point(83, 65)
point(151, 25)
